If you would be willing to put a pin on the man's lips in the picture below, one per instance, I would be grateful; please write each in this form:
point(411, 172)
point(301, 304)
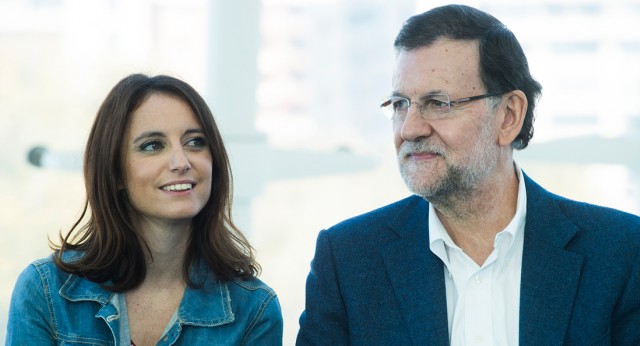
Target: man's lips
point(423, 155)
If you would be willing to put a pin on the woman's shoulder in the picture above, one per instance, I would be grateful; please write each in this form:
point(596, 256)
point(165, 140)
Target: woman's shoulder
point(220, 300)
point(44, 266)
point(45, 269)
point(207, 279)
point(254, 295)
point(41, 273)
point(47, 265)
point(252, 284)
point(46, 273)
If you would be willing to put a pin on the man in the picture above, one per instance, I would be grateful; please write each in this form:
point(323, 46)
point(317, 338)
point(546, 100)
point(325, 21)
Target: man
point(481, 255)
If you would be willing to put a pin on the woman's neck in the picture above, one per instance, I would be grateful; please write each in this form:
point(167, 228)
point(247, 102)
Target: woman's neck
point(166, 246)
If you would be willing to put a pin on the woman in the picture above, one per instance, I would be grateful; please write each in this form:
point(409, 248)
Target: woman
point(159, 260)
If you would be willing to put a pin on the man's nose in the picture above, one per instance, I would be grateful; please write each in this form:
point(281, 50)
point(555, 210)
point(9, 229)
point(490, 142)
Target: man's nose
point(414, 126)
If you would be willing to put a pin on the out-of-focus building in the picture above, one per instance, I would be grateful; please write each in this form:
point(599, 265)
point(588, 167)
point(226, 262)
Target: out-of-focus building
point(325, 66)
point(586, 55)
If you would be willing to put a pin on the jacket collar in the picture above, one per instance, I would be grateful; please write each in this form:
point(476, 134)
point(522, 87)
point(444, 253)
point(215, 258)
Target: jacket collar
point(417, 275)
point(207, 306)
point(550, 274)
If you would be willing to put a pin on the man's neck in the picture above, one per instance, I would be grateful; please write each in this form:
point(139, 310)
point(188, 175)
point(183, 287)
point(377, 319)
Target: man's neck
point(473, 222)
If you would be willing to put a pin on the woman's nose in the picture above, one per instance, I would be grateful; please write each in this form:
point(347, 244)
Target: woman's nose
point(179, 161)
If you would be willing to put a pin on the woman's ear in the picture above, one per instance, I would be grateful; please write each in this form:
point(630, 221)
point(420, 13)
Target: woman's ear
point(515, 110)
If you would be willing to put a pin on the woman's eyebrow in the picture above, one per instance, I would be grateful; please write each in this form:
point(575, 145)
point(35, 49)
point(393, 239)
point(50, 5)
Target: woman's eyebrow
point(148, 134)
point(190, 131)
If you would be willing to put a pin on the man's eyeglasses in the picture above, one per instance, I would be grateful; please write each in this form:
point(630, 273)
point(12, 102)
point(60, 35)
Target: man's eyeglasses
point(434, 106)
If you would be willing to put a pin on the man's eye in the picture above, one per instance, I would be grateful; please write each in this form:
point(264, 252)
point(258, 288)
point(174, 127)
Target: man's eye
point(401, 104)
point(437, 104)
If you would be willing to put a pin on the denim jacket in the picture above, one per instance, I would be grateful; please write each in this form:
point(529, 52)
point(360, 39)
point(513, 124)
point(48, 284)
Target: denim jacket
point(51, 307)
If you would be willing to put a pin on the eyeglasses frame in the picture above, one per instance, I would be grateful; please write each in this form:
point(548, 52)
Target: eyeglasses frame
point(450, 103)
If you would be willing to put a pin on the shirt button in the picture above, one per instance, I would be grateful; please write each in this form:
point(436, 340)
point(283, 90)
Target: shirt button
point(478, 281)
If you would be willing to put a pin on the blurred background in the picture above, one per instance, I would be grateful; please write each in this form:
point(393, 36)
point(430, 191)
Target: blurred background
point(295, 87)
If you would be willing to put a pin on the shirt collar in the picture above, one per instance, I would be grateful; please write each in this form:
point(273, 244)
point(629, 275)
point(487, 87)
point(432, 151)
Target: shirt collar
point(439, 237)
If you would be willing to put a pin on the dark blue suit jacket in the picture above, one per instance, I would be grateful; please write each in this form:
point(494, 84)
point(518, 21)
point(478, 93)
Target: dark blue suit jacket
point(374, 281)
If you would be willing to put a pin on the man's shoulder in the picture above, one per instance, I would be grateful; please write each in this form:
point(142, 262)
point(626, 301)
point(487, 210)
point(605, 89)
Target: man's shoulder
point(607, 221)
point(588, 214)
point(595, 223)
point(582, 212)
point(593, 212)
point(375, 220)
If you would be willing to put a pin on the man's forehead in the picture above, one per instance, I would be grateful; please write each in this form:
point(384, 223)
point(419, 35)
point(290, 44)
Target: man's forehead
point(467, 50)
point(445, 65)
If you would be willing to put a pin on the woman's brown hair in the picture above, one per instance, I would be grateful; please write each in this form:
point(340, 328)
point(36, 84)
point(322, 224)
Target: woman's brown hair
point(112, 252)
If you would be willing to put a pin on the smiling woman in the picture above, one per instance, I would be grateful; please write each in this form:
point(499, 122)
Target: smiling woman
point(167, 162)
point(159, 258)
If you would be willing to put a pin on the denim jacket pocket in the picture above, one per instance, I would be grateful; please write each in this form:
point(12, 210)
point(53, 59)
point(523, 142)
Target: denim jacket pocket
point(72, 340)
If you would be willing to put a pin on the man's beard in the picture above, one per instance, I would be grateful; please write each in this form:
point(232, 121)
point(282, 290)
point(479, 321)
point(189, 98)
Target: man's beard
point(458, 181)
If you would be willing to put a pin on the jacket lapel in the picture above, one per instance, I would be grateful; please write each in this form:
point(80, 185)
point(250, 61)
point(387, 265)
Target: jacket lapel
point(417, 276)
point(550, 274)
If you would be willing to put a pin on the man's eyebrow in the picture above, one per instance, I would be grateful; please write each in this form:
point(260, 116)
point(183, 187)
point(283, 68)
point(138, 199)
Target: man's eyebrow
point(425, 95)
point(148, 134)
point(433, 92)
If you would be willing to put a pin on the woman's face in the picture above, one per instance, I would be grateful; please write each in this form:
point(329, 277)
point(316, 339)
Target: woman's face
point(167, 161)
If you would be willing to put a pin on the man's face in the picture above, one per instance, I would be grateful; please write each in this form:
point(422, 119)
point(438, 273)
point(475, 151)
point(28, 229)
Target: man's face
point(444, 158)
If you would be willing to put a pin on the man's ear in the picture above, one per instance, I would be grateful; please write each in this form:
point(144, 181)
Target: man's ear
point(514, 111)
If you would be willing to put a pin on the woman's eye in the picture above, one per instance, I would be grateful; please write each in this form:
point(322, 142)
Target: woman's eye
point(151, 146)
point(197, 142)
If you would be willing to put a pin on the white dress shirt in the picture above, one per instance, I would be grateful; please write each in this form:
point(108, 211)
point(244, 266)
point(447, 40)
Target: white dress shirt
point(483, 302)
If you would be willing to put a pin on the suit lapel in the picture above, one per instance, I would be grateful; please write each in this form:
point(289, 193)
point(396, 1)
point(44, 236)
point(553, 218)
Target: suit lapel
point(417, 276)
point(550, 274)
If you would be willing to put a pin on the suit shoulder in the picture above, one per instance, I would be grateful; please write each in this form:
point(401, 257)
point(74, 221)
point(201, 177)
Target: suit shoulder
point(587, 213)
point(374, 220)
point(608, 224)
point(596, 220)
